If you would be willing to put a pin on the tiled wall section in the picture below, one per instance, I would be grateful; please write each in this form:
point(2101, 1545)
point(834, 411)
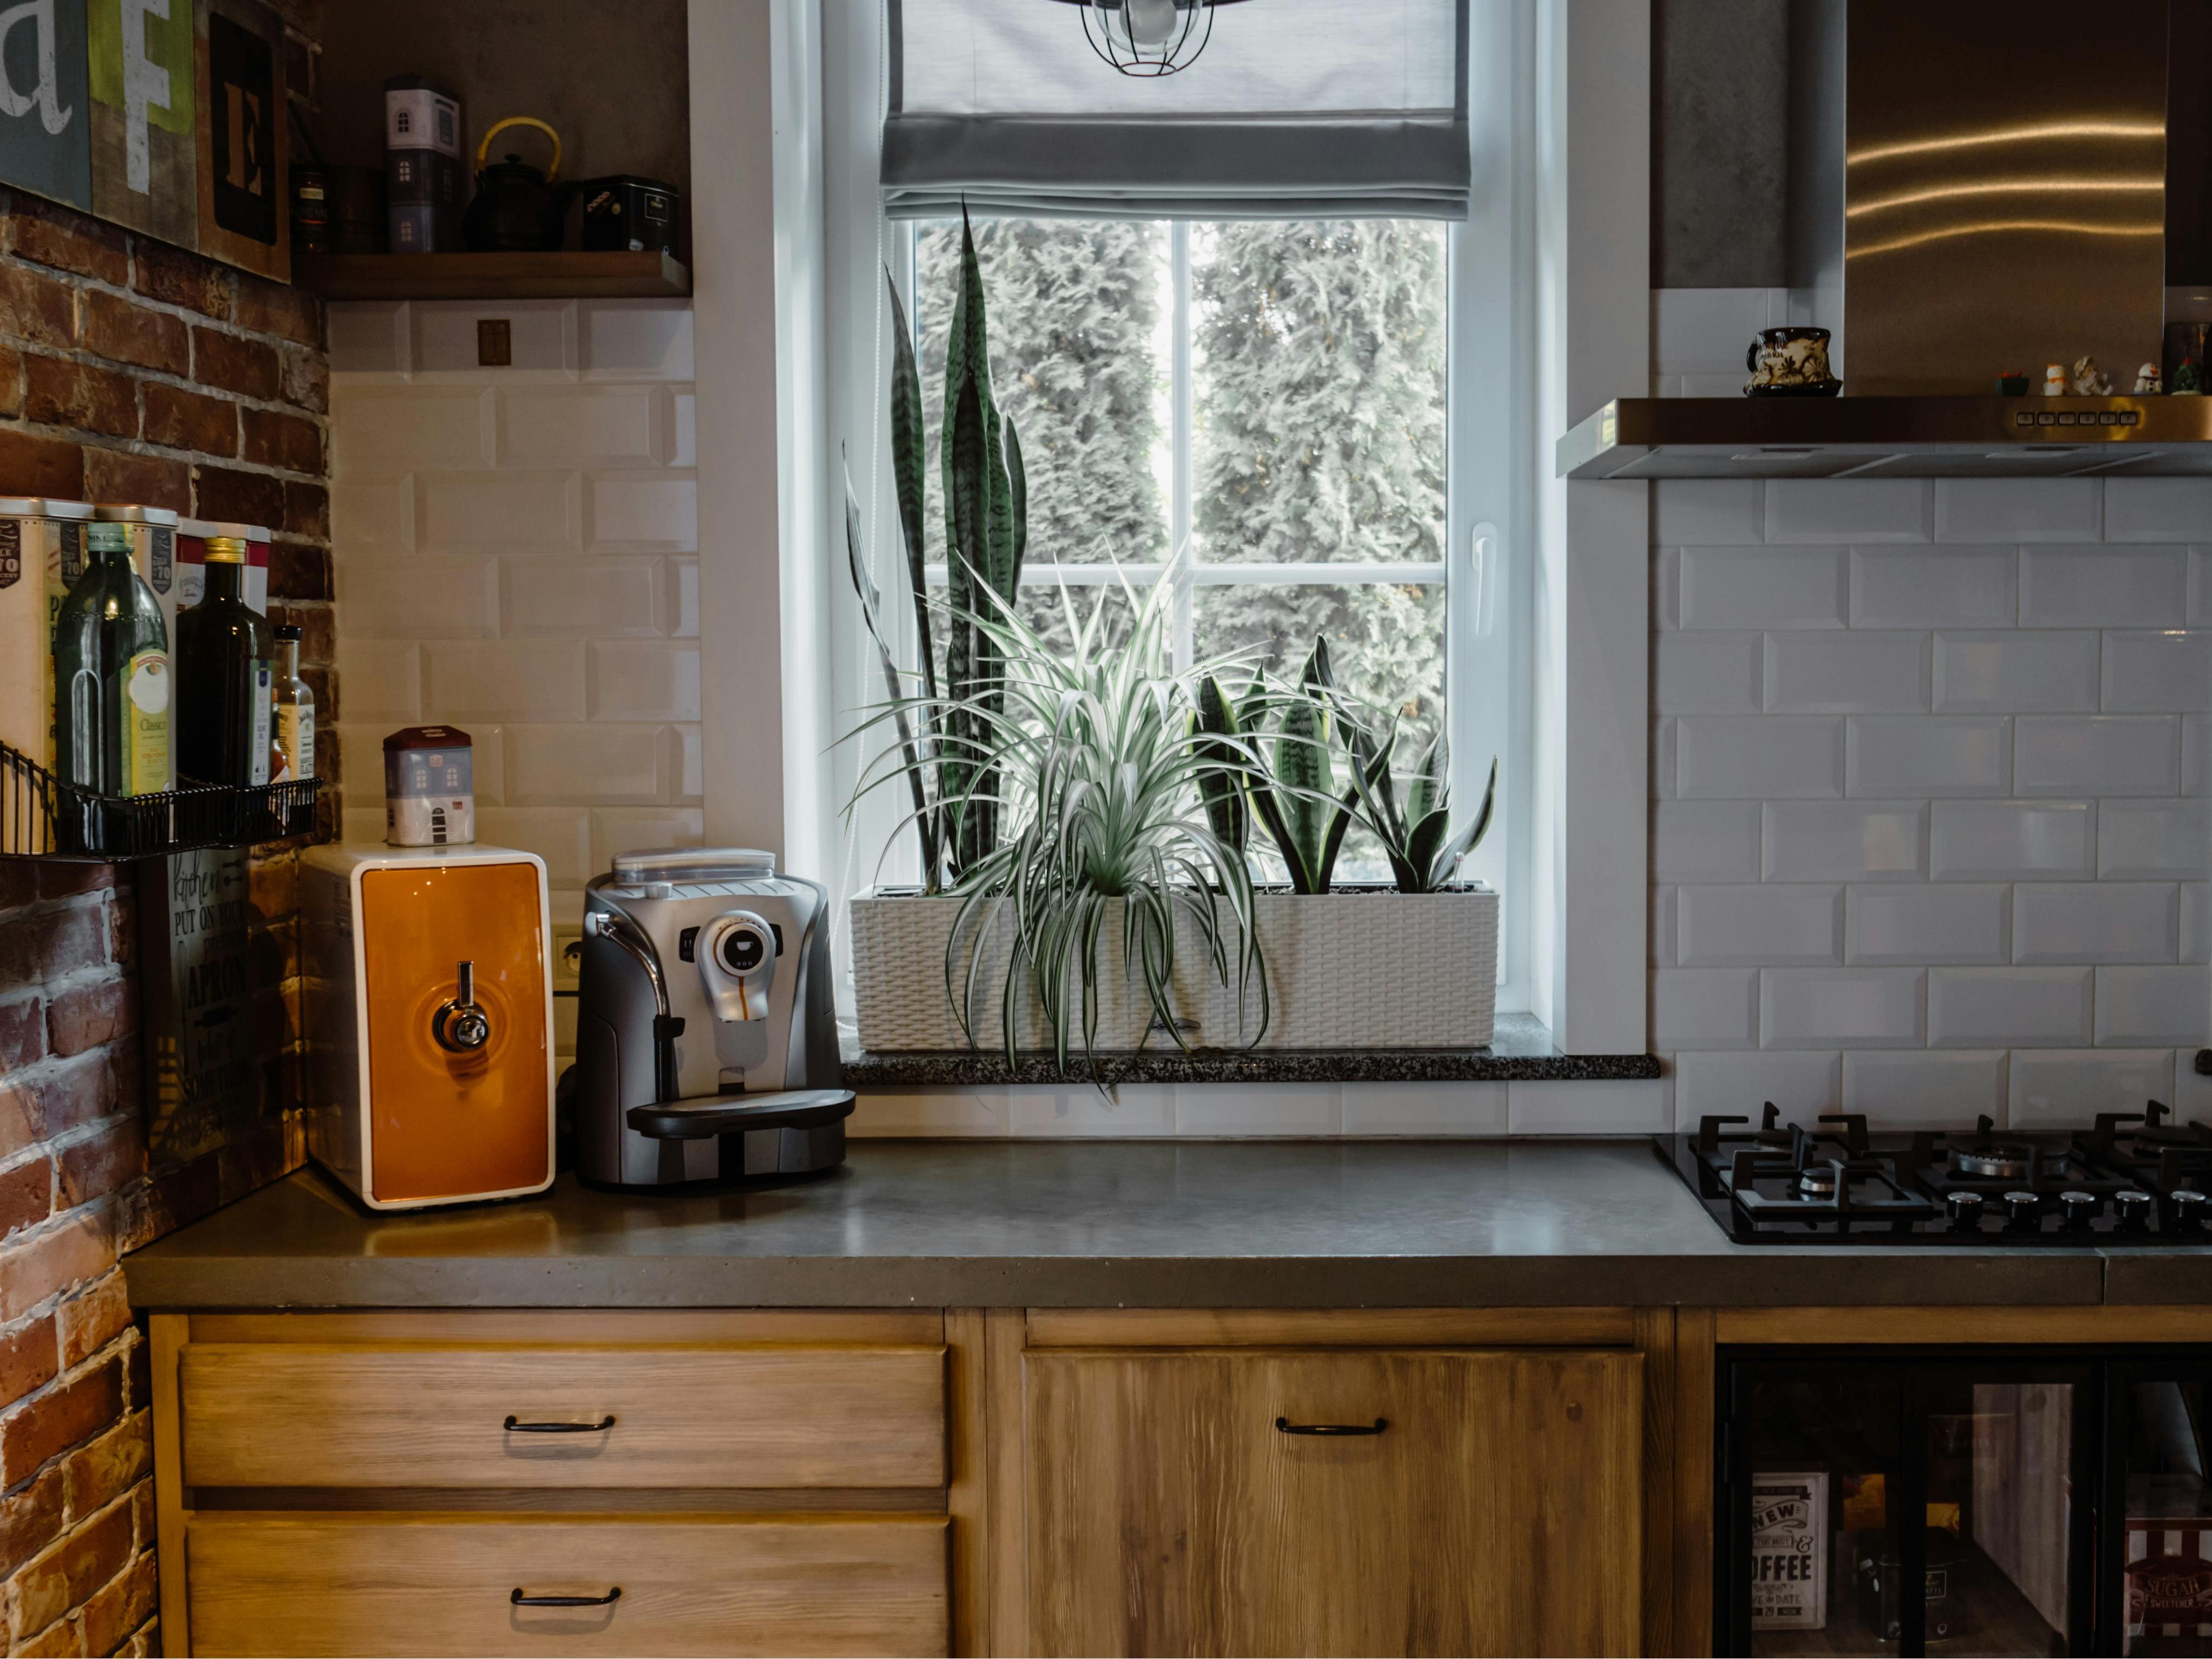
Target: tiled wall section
point(517, 551)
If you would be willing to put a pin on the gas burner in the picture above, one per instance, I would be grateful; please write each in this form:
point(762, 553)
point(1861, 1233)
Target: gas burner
point(1999, 1160)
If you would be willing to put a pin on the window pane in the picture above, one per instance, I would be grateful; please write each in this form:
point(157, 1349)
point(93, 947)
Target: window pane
point(1385, 641)
point(1078, 316)
point(1318, 390)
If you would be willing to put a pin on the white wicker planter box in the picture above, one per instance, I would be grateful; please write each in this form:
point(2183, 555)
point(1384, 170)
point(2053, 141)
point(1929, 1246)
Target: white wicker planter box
point(1365, 970)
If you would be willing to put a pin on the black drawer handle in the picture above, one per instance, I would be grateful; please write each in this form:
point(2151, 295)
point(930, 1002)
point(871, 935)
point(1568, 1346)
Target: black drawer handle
point(516, 1425)
point(607, 1601)
point(1283, 1426)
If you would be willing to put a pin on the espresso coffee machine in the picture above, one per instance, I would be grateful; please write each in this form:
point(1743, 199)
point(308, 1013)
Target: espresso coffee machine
point(706, 1031)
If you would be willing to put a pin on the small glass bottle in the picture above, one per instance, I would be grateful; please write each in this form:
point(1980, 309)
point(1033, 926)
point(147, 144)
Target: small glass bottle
point(294, 757)
point(225, 667)
point(112, 685)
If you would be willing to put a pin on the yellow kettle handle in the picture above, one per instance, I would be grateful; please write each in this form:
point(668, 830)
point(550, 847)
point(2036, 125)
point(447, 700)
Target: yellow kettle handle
point(483, 149)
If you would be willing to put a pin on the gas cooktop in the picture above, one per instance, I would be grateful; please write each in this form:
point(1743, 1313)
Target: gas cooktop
point(2132, 1178)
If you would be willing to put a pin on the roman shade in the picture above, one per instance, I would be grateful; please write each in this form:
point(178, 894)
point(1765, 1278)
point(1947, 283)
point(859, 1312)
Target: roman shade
point(1296, 109)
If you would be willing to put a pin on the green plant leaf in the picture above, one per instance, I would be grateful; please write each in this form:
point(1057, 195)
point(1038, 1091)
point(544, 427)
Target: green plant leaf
point(1426, 793)
point(864, 586)
point(1421, 849)
point(1018, 478)
point(1447, 864)
point(1220, 789)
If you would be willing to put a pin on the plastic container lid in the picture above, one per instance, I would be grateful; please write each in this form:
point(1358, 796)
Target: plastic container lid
point(688, 864)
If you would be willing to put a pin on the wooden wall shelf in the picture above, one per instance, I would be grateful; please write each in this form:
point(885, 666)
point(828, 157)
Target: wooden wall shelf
point(616, 275)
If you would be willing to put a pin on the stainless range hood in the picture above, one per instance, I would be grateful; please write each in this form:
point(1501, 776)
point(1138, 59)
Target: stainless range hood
point(1976, 186)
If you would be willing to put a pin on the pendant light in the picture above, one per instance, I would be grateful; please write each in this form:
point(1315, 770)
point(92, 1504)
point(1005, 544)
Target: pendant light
point(1147, 39)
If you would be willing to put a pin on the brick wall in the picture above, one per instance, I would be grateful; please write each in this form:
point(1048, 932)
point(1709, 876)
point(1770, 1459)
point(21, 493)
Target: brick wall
point(128, 371)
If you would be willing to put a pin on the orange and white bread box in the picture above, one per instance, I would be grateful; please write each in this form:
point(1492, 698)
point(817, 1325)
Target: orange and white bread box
point(430, 990)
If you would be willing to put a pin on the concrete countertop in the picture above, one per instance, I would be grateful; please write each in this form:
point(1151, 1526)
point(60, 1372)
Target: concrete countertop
point(1092, 1223)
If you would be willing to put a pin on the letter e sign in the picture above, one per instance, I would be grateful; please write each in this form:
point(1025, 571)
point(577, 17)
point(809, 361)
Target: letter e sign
point(242, 125)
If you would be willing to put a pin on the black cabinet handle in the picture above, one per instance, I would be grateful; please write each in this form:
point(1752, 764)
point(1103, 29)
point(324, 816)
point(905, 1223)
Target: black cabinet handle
point(516, 1425)
point(1283, 1426)
point(520, 1599)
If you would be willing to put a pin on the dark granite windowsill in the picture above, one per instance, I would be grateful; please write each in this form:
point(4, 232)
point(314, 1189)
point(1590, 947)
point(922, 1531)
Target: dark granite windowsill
point(1521, 1052)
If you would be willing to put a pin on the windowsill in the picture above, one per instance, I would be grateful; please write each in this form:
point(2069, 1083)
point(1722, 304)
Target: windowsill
point(1523, 1052)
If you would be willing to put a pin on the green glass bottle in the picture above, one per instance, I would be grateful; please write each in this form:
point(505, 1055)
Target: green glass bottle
point(111, 683)
point(226, 660)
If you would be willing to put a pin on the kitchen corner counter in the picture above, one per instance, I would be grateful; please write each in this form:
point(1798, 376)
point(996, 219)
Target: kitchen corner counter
point(1093, 1224)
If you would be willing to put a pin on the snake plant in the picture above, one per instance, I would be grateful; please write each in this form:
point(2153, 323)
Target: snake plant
point(1294, 796)
point(1425, 855)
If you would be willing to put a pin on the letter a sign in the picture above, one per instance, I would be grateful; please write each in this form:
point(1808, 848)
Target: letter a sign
point(45, 118)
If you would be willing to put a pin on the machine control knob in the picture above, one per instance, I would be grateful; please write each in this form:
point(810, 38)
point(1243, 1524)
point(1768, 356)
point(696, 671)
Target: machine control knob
point(2132, 1209)
point(459, 1025)
point(2080, 1208)
point(2023, 1207)
point(2189, 1205)
point(1963, 1208)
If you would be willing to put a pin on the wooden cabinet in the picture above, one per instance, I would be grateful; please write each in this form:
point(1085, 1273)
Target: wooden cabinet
point(1353, 1502)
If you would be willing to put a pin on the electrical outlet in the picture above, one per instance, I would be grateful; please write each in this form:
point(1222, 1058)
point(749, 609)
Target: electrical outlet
point(495, 343)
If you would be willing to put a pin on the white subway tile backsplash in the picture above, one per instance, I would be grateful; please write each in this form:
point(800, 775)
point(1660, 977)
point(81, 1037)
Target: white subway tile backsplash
point(1848, 509)
point(497, 512)
point(559, 835)
point(1707, 330)
point(2100, 586)
point(503, 680)
point(2062, 1088)
point(1444, 1109)
point(1849, 1007)
point(684, 593)
point(690, 764)
point(2152, 839)
point(432, 599)
point(613, 426)
point(2196, 754)
point(636, 828)
point(637, 680)
point(2015, 673)
point(541, 339)
point(1763, 587)
point(397, 428)
point(2138, 1007)
point(2008, 1007)
point(2157, 509)
point(1666, 588)
point(1928, 754)
point(1803, 1085)
point(2097, 754)
point(1258, 1108)
point(1962, 923)
point(1662, 763)
point(962, 1114)
point(1857, 672)
point(1970, 840)
point(585, 766)
point(2170, 671)
point(1659, 928)
point(2084, 921)
point(1844, 841)
point(1707, 673)
point(1934, 587)
point(683, 430)
point(637, 339)
point(1705, 840)
point(369, 338)
point(648, 512)
point(2017, 510)
point(373, 515)
point(1763, 757)
point(1687, 512)
point(1093, 1114)
point(2196, 944)
point(1588, 1109)
point(586, 596)
point(1753, 925)
point(1704, 1008)
point(380, 679)
point(2200, 586)
point(1926, 1090)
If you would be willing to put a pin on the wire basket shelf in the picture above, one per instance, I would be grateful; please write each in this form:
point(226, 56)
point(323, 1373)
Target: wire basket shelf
point(41, 816)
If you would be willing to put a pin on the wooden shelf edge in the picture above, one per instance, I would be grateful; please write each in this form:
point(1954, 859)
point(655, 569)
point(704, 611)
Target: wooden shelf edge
point(615, 275)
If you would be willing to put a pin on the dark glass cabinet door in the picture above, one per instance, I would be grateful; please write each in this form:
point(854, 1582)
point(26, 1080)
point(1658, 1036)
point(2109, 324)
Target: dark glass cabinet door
point(1905, 1506)
point(2158, 1528)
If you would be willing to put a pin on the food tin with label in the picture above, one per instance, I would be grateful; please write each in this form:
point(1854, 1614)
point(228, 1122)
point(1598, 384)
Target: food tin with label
point(41, 553)
point(152, 550)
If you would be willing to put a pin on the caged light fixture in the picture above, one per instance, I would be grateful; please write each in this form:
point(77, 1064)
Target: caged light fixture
point(1146, 39)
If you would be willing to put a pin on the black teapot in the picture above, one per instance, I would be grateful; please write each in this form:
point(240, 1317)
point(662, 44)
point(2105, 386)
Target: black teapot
point(517, 209)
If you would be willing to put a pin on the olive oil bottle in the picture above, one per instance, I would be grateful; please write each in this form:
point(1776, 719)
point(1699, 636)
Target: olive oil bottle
point(226, 662)
point(112, 680)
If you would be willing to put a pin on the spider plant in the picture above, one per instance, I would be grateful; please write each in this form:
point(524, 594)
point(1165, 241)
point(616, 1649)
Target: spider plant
point(1088, 748)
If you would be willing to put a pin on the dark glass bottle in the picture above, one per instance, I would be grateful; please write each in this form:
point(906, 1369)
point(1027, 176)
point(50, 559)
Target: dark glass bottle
point(225, 670)
point(111, 682)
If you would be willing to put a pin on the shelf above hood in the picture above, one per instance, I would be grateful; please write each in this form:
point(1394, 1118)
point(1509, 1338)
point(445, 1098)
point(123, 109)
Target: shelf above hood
point(1891, 438)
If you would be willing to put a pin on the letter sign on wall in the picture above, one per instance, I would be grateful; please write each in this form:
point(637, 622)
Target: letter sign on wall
point(46, 123)
point(145, 152)
point(243, 163)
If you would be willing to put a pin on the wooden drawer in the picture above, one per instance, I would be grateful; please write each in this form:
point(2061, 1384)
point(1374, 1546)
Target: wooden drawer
point(290, 1414)
point(384, 1584)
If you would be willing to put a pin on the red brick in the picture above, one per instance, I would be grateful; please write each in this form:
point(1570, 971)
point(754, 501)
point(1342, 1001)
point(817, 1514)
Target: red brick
point(35, 465)
point(94, 1476)
point(92, 1168)
point(111, 475)
point(93, 1318)
point(269, 308)
point(125, 1070)
point(122, 929)
point(85, 1016)
point(62, 1639)
point(29, 1358)
point(61, 393)
point(138, 1361)
point(26, 1198)
point(306, 510)
point(72, 1570)
point(35, 950)
point(22, 1032)
point(236, 364)
point(19, 883)
point(60, 879)
point(287, 440)
point(222, 492)
point(178, 419)
point(128, 333)
point(37, 308)
point(142, 1513)
point(324, 682)
point(31, 1519)
point(63, 1417)
point(179, 278)
point(74, 1249)
point(11, 380)
point(81, 1091)
point(53, 235)
point(306, 378)
point(125, 1603)
point(21, 1123)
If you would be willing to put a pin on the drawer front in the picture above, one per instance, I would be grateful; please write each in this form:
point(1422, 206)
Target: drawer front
point(300, 1414)
point(382, 1584)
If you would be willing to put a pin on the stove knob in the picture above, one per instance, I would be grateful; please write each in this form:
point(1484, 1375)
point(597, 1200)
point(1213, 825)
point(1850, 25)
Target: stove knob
point(2080, 1208)
point(2023, 1207)
point(1963, 1208)
point(2189, 1205)
point(2133, 1210)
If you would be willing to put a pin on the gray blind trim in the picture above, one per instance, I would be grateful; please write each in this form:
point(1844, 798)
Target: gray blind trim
point(1395, 163)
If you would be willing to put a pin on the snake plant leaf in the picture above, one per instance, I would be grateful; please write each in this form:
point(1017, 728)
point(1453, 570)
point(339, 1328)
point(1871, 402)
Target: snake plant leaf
point(1421, 849)
point(965, 670)
point(870, 598)
point(1333, 842)
point(909, 474)
point(1221, 790)
point(1018, 482)
point(1426, 793)
point(1301, 762)
point(1468, 838)
point(967, 358)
